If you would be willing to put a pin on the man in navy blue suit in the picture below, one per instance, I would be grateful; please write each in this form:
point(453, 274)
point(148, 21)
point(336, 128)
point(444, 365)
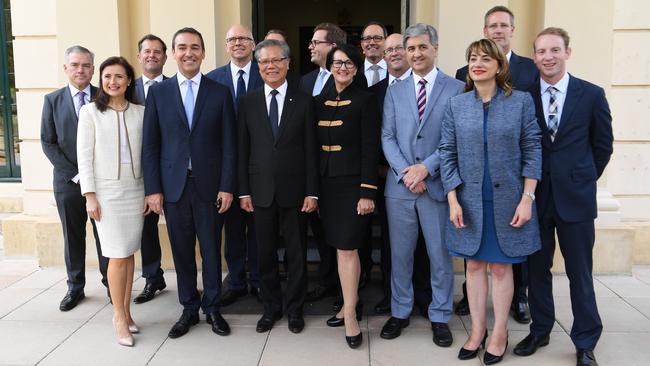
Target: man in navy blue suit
point(577, 139)
point(152, 55)
point(241, 76)
point(499, 26)
point(189, 164)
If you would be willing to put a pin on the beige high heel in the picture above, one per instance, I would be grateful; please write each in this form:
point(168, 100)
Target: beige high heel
point(133, 328)
point(124, 341)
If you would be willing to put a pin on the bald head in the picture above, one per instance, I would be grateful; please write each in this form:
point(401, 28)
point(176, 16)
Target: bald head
point(240, 44)
point(395, 56)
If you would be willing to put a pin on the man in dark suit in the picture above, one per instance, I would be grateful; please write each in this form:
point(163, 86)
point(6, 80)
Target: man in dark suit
point(278, 179)
point(326, 36)
point(373, 42)
point(499, 26)
point(241, 76)
point(189, 165)
point(59, 143)
point(152, 55)
point(577, 140)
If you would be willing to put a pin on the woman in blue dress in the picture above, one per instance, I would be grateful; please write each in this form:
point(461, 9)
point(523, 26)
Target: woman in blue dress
point(490, 162)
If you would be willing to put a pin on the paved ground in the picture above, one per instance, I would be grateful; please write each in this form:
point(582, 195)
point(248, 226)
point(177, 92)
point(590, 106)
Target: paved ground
point(34, 332)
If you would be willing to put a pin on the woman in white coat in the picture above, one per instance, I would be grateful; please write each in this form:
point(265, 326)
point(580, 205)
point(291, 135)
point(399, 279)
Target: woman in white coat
point(109, 145)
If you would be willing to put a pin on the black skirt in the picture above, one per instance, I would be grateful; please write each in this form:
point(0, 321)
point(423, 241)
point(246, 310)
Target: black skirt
point(344, 228)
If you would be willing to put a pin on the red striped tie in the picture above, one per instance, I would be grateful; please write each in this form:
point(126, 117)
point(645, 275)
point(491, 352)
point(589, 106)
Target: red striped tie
point(422, 98)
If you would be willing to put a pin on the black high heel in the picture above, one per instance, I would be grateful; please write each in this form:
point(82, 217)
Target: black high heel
point(354, 341)
point(490, 359)
point(466, 354)
point(339, 322)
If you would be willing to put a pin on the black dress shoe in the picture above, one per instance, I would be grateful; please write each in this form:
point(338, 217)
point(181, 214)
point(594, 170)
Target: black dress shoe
point(466, 354)
point(529, 345)
point(354, 341)
point(296, 323)
point(337, 305)
point(462, 307)
point(71, 299)
point(149, 290)
point(231, 296)
point(219, 324)
point(383, 306)
point(183, 324)
point(490, 359)
point(393, 327)
point(320, 292)
point(519, 311)
point(257, 293)
point(586, 358)
point(441, 334)
point(266, 322)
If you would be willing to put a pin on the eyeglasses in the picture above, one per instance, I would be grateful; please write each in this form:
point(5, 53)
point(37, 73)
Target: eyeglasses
point(315, 42)
point(337, 64)
point(372, 38)
point(275, 62)
point(234, 40)
point(388, 51)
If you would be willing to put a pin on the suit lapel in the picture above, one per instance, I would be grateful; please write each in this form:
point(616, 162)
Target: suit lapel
point(139, 90)
point(229, 82)
point(200, 101)
point(176, 92)
point(574, 93)
point(67, 97)
point(287, 112)
point(436, 90)
point(411, 97)
point(514, 67)
point(261, 114)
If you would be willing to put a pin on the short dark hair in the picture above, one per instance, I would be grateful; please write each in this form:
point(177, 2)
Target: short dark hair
point(187, 30)
point(556, 32)
point(383, 27)
point(277, 31)
point(499, 9)
point(355, 56)
point(334, 33)
point(102, 99)
point(151, 37)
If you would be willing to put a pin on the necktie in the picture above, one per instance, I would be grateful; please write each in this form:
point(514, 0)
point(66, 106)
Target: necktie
point(553, 121)
point(149, 83)
point(395, 81)
point(318, 87)
point(82, 101)
point(188, 103)
point(274, 117)
point(241, 85)
point(422, 98)
point(375, 74)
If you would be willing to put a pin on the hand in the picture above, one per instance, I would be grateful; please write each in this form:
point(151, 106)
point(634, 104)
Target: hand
point(456, 215)
point(147, 209)
point(365, 206)
point(419, 188)
point(246, 204)
point(93, 208)
point(414, 174)
point(309, 205)
point(155, 202)
point(523, 212)
point(226, 201)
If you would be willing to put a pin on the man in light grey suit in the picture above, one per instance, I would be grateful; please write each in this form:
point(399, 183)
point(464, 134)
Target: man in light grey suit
point(413, 111)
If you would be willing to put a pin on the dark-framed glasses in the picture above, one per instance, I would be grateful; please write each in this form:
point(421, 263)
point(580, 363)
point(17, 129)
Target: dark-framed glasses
point(372, 38)
point(234, 40)
point(273, 61)
point(390, 50)
point(316, 42)
point(337, 64)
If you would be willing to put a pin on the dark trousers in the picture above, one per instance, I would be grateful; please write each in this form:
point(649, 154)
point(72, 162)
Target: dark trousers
point(269, 223)
point(188, 219)
point(241, 248)
point(72, 212)
point(327, 268)
point(150, 249)
point(576, 241)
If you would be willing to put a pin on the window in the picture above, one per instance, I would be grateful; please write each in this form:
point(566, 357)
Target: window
point(9, 142)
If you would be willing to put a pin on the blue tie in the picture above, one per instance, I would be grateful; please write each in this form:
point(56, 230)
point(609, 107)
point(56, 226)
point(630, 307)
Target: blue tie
point(274, 114)
point(241, 85)
point(318, 87)
point(188, 103)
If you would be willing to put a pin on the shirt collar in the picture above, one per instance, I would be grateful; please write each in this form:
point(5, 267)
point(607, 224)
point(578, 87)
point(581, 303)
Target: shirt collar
point(430, 77)
point(367, 64)
point(401, 77)
point(509, 55)
point(561, 85)
point(196, 78)
point(158, 78)
point(74, 91)
point(234, 69)
point(282, 89)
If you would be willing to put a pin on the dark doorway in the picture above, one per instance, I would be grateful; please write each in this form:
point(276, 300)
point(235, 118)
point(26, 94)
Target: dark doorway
point(297, 19)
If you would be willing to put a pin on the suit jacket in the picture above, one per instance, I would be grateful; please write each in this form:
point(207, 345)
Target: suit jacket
point(574, 161)
point(59, 137)
point(523, 72)
point(98, 143)
point(285, 169)
point(168, 142)
point(514, 152)
point(223, 76)
point(308, 81)
point(406, 141)
point(139, 90)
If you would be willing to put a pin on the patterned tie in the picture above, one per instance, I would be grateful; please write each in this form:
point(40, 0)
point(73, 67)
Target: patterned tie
point(274, 114)
point(241, 85)
point(375, 74)
point(553, 121)
point(318, 87)
point(188, 103)
point(422, 98)
point(82, 101)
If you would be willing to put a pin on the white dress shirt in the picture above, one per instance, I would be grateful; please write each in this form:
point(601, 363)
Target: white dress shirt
point(560, 95)
point(145, 83)
point(282, 92)
point(430, 78)
point(234, 71)
point(369, 72)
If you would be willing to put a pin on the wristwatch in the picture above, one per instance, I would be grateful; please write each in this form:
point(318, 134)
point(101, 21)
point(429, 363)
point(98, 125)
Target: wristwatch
point(531, 195)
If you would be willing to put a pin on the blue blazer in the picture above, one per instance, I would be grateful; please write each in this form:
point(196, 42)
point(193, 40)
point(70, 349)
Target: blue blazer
point(223, 76)
point(168, 143)
point(583, 145)
point(523, 71)
point(308, 81)
point(514, 153)
point(139, 90)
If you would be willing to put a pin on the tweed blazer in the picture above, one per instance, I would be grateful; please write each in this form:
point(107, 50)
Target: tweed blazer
point(98, 143)
point(514, 153)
